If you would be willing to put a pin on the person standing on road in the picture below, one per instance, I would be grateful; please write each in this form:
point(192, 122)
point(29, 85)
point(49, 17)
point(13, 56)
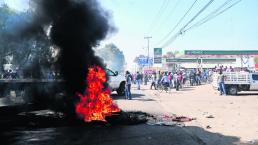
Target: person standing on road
point(138, 80)
point(153, 81)
point(180, 79)
point(173, 80)
point(191, 75)
point(198, 77)
point(177, 84)
point(145, 78)
point(221, 79)
point(128, 82)
point(159, 76)
point(164, 80)
point(170, 77)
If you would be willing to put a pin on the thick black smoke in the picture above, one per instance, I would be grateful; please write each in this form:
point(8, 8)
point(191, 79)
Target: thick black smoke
point(77, 26)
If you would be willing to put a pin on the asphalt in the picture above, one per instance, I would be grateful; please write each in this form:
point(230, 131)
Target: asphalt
point(141, 134)
point(115, 135)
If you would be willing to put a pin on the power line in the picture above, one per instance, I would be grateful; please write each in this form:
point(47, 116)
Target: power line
point(170, 13)
point(206, 19)
point(157, 16)
point(191, 20)
point(172, 30)
point(206, 6)
point(214, 12)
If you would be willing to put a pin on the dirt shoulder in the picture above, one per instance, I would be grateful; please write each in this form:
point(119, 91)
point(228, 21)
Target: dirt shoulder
point(227, 115)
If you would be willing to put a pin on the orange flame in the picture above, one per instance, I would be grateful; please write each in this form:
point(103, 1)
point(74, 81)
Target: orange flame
point(96, 103)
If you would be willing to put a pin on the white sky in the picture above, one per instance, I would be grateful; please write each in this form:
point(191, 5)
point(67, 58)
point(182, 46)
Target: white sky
point(236, 29)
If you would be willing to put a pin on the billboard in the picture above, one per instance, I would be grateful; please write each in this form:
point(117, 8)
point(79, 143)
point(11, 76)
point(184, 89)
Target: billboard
point(204, 60)
point(157, 55)
point(221, 52)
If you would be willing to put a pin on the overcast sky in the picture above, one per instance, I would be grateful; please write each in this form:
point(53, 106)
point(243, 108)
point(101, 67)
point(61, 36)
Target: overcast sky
point(235, 29)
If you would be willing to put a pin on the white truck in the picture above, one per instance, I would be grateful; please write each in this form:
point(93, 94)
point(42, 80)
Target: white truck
point(238, 81)
point(116, 82)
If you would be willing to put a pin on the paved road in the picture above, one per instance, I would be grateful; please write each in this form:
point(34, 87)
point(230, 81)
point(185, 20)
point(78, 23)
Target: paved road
point(143, 100)
point(234, 116)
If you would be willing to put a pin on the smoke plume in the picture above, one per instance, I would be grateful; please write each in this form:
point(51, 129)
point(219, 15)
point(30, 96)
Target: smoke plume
point(76, 27)
point(113, 57)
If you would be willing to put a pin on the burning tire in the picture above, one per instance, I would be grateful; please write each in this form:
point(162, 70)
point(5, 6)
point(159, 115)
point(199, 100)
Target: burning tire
point(121, 90)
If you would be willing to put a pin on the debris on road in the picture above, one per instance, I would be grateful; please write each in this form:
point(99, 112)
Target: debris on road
point(49, 118)
point(208, 127)
point(183, 119)
point(128, 118)
point(168, 120)
point(210, 116)
point(163, 120)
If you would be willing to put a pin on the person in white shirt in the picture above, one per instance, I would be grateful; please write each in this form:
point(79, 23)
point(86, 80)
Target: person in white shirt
point(128, 82)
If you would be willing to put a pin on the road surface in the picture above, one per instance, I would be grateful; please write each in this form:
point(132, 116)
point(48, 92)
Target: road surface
point(227, 115)
point(232, 120)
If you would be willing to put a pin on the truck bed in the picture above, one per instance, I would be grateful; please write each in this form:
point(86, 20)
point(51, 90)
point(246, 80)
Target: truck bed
point(238, 78)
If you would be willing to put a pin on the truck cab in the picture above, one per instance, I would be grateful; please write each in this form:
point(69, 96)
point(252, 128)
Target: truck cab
point(254, 82)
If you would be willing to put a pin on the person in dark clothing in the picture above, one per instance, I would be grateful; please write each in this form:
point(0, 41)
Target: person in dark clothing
point(145, 79)
point(153, 81)
point(191, 78)
point(138, 80)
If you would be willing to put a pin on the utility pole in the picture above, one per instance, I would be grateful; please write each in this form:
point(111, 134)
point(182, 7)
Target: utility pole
point(241, 62)
point(148, 45)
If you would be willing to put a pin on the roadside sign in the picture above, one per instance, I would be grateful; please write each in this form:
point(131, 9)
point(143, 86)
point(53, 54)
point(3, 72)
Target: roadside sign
point(157, 55)
point(144, 61)
point(221, 52)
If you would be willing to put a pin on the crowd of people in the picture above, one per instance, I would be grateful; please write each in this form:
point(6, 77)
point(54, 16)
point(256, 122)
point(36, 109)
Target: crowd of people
point(178, 79)
point(173, 79)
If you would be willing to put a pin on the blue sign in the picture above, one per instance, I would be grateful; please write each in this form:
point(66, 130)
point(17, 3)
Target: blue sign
point(144, 61)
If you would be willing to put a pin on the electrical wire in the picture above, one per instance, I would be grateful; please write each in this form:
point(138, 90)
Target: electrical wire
point(213, 12)
point(206, 19)
point(205, 7)
point(170, 13)
point(182, 18)
point(157, 16)
point(180, 32)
